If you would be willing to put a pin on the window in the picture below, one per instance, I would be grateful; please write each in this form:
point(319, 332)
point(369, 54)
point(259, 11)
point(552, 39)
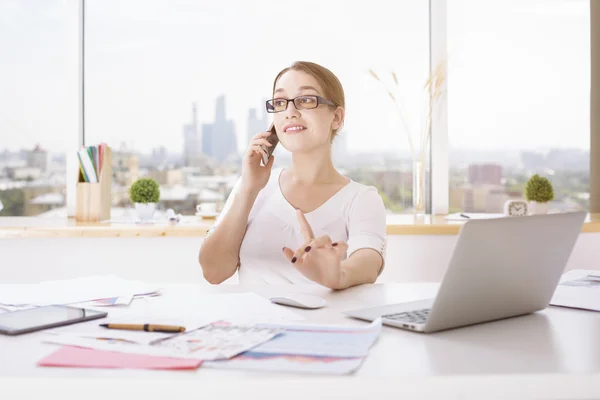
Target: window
point(518, 101)
point(177, 88)
point(38, 99)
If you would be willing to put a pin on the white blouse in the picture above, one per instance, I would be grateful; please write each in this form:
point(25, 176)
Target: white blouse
point(355, 214)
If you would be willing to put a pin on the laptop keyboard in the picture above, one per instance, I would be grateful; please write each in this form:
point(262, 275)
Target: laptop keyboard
point(415, 317)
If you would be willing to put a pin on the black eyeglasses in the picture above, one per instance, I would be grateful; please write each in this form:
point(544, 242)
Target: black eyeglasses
point(300, 102)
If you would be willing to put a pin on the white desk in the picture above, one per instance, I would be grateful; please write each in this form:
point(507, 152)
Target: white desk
point(552, 352)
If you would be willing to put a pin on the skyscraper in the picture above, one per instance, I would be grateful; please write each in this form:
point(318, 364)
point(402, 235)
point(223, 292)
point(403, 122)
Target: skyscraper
point(219, 138)
point(207, 139)
point(192, 142)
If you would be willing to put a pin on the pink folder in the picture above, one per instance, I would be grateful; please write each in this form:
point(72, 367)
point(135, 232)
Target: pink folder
point(78, 357)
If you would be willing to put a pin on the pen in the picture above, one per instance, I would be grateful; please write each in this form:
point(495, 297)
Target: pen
point(464, 216)
point(146, 327)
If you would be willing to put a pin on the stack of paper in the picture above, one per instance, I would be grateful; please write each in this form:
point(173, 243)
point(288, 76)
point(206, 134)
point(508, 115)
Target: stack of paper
point(274, 348)
point(72, 291)
point(202, 340)
point(210, 342)
point(309, 349)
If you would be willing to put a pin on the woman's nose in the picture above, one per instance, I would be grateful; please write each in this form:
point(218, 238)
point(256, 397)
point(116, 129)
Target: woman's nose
point(291, 110)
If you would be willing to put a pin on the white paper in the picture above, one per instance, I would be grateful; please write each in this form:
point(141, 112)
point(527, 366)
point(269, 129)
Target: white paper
point(298, 364)
point(4, 308)
point(92, 330)
point(246, 308)
point(113, 301)
point(322, 340)
point(578, 289)
point(72, 291)
point(461, 216)
point(239, 308)
point(212, 342)
point(83, 339)
point(219, 342)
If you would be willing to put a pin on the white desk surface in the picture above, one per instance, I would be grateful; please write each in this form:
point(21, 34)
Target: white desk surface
point(553, 353)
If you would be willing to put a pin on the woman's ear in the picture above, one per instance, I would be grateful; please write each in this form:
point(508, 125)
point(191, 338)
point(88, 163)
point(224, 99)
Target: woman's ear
point(338, 118)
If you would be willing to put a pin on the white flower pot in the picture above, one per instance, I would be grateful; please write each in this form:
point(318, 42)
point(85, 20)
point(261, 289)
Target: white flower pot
point(538, 208)
point(145, 211)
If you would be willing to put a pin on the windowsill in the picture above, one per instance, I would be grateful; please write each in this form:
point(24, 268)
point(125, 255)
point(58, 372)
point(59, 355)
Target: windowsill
point(33, 227)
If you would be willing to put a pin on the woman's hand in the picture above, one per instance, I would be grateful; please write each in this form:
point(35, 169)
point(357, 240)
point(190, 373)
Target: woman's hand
point(255, 176)
point(318, 259)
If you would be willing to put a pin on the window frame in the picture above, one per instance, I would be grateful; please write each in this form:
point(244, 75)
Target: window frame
point(438, 189)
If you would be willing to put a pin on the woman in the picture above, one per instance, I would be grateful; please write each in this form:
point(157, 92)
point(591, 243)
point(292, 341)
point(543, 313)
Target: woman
point(307, 222)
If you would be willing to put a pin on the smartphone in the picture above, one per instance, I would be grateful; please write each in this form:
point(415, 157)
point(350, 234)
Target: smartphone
point(36, 319)
point(273, 139)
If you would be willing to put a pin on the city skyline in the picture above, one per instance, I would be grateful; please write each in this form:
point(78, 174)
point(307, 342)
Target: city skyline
point(31, 184)
point(140, 80)
point(570, 159)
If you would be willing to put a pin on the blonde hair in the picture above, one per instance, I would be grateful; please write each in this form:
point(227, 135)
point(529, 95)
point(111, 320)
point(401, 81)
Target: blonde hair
point(331, 85)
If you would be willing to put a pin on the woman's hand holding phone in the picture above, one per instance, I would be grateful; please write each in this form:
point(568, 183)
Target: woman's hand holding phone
point(273, 139)
point(254, 175)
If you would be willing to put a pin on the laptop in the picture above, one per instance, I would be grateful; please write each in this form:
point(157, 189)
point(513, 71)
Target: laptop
point(500, 268)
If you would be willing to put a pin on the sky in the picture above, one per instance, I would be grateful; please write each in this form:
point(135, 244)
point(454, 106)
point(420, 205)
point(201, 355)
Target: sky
point(518, 73)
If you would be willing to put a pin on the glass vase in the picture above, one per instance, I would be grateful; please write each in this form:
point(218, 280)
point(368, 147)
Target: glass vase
point(418, 187)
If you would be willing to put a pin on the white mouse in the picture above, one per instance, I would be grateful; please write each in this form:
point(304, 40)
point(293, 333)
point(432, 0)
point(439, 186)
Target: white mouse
point(299, 300)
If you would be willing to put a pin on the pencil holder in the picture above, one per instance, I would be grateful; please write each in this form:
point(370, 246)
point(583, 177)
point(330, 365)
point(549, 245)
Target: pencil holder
point(94, 199)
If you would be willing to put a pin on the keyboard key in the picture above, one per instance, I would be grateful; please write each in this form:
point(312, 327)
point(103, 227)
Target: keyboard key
point(417, 316)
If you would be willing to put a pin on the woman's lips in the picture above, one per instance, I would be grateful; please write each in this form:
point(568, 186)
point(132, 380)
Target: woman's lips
point(291, 129)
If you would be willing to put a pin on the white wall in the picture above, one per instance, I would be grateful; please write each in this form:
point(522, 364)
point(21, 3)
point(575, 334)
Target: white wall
point(173, 259)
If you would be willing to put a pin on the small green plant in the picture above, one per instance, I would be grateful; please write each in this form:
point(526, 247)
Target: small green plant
point(144, 190)
point(539, 189)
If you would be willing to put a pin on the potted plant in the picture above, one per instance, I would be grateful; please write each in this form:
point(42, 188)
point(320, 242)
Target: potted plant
point(539, 192)
point(144, 194)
